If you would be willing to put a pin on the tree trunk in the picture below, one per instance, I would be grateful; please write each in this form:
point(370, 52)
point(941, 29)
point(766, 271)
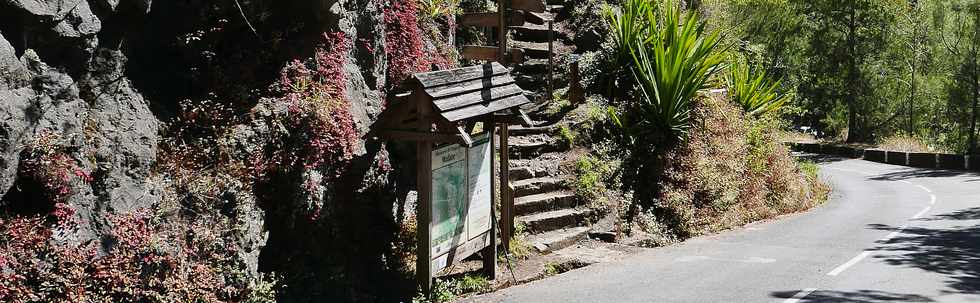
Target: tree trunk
point(853, 132)
point(973, 114)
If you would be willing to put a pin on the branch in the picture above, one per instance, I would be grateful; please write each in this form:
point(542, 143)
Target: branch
point(242, 12)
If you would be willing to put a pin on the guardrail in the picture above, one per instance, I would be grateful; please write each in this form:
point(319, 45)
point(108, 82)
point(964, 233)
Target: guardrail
point(920, 160)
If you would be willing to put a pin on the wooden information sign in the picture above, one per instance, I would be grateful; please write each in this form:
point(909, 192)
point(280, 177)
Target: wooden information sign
point(455, 169)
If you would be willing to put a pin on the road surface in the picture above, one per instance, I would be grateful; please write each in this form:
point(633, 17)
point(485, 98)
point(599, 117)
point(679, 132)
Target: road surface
point(888, 234)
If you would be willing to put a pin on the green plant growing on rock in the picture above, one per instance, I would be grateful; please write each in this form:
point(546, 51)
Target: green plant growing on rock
point(753, 89)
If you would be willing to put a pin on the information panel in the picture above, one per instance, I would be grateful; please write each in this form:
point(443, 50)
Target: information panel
point(461, 200)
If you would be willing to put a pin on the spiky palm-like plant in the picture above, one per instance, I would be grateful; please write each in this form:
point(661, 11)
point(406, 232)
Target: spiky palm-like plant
point(753, 89)
point(669, 68)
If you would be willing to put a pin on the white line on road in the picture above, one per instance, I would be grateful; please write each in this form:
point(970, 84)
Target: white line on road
point(924, 188)
point(932, 199)
point(800, 295)
point(850, 263)
point(895, 233)
point(923, 212)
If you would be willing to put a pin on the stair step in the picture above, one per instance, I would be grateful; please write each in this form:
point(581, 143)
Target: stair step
point(534, 186)
point(522, 173)
point(554, 220)
point(534, 33)
point(533, 130)
point(558, 239)
point(527, 205)
point(528, 150)
point(537, 18)
point(533, 66)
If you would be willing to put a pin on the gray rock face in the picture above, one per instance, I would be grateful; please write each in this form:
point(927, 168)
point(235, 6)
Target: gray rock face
point(124, 137)
point(13, 74)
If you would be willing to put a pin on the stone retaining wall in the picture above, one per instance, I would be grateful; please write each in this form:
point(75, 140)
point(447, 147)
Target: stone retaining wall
point(921, 160)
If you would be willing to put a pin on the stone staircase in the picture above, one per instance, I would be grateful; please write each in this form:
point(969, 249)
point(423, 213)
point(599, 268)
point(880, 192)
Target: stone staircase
point(532, 75)
point(552, 215)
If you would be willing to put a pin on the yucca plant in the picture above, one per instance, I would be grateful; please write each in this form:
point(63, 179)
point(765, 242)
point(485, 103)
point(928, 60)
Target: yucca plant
point(669, 68)
point(753, 89)
point(629, 24)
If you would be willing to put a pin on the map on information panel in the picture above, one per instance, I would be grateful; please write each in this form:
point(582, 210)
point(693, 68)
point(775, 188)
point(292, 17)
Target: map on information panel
point(461, 194)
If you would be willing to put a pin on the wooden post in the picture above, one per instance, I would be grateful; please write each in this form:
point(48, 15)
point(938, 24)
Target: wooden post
point(490, 252)
point(502, 31)
point(551, 60)
point(507, 197)
point(423, 262)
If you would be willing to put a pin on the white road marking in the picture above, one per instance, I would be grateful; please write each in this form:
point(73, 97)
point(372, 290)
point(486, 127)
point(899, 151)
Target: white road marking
point(850, 263)
point(924, 188)
point(932, 199)
point(923, 212)
point(800, 295)
point(895, 233)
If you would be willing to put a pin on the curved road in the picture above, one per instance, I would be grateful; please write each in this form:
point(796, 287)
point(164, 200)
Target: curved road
point(888, 234)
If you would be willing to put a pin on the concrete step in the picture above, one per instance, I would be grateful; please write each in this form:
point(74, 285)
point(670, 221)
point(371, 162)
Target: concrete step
point(523, 173)
point(544, 202)
point(556, 219)
point(534, 50)
point(558, 239)
point(533, 67)
point(532, 149)
point(534, 186)
point(519, 130)
point(535, 33)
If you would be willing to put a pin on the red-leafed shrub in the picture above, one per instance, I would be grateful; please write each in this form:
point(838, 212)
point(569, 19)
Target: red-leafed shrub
point(319, 117)
point(405, 47)
point(46, 162)
point(142, 263)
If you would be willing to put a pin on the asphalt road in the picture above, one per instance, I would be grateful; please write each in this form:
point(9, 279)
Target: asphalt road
point(888, 234)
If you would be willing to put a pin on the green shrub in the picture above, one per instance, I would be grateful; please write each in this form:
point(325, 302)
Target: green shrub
point(753, 89)
point(669, 66)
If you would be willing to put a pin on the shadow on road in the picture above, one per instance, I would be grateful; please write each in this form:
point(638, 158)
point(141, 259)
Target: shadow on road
point(912, 173)
point(860, 296)
point(953, 253)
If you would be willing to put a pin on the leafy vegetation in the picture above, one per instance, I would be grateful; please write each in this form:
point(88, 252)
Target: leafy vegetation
point(753, 89)
point(673, 57)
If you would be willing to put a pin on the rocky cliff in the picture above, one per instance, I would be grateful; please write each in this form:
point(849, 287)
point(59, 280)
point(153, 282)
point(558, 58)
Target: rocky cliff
point(243, 117)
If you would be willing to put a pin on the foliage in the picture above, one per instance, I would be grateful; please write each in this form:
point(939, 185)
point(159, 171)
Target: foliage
point(405, 48)
point(729, 172)
point(439, 8)
point(592, 174)
point(753, 89)
point(143, 262)
point(46, 161)
point(630, 25)
point(669, 67)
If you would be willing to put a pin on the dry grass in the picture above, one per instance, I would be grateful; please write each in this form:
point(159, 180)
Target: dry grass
point(911, 144)
point(731, 171)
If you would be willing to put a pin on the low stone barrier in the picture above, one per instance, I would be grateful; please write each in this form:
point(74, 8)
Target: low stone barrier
point(876, 155)
point(920, 160)
point(948, 161)
point(897, 158)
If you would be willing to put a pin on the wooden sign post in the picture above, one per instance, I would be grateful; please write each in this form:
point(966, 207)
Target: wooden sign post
point(455, 168)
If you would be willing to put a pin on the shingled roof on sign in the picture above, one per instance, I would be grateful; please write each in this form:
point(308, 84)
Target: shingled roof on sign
point(473, 91)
